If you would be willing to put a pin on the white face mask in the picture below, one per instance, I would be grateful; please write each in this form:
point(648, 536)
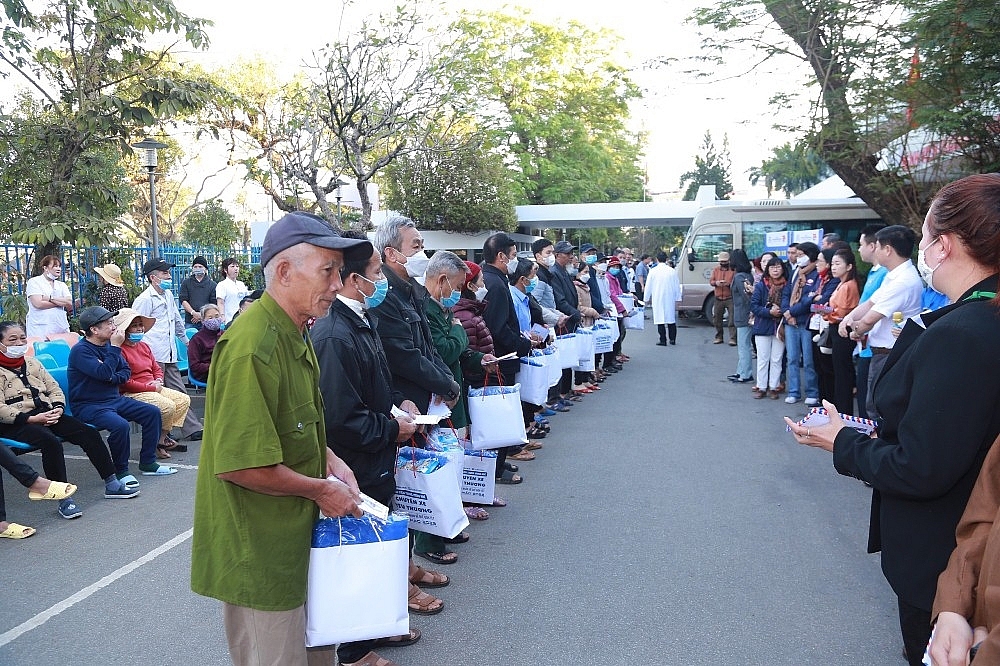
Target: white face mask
point(550, 260)
point(602, 267)
point(585, 277)
point(416, 265)
point(926, 272)
point(16, 351)
point(511, 266)
point(802, 261)
point(481, 293)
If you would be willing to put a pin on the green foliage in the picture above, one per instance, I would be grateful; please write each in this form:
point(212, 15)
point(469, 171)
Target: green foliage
point(555, 99)
point(97, 83)
point(14, 307)
point(892, 128)
point(466, 190)
point(791, 169)
point(211, 226)
point(712, 167)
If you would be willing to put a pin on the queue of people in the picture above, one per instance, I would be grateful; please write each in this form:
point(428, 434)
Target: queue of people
point(934, 387)
point(346, 331)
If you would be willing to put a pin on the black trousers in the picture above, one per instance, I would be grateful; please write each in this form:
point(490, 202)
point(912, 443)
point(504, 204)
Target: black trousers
point(47, 438)
point(844, 374)
point(664, 329)
point(915, 625)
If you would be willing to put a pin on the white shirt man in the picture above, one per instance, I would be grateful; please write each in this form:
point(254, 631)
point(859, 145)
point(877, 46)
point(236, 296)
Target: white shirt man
point(230, 291)
point(900, 291)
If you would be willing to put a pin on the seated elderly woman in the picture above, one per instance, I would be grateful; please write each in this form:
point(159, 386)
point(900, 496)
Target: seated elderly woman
point(32, 411)
point(96, 369)
point(146, 382)
point(202, 344)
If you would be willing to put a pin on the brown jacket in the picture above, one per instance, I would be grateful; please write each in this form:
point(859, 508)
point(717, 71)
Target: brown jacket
point(589, 314)
point(17, 400)
point(970, 584)
point(722, 280)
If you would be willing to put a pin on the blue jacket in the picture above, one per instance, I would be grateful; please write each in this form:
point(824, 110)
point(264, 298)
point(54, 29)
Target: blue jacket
point(763, 322)
point(94, 373)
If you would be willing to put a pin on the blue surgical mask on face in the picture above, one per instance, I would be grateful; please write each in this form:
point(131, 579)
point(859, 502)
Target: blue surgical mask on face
point(615, 271)
point(381, 289)
point(531, 285)
point(166, 284)
point(135, 337)
point(590, 259)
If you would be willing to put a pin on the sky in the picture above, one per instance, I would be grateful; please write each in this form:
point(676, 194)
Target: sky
point(675, 112)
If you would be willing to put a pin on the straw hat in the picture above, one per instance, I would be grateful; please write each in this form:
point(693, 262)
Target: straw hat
point(125, 316)
point(111, 273)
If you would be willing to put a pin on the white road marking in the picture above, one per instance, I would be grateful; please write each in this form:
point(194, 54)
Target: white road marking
point(169, 464)
point(69, 602)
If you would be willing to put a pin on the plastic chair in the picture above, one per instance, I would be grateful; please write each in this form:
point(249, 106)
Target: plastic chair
point(195, 383)
point(17, 447)
point(182, 356)
point(57, 349)
point(59, 374)
point(189, 332)
point(31, 345)
point(69, 338)
point(47, 361)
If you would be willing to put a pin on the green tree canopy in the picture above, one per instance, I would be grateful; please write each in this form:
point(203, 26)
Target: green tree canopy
point(556, 99)
point(711, 167)
point(791, 169)
point(211, 226)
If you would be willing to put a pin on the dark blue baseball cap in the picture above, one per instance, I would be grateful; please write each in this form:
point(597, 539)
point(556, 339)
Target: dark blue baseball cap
point(300, 227)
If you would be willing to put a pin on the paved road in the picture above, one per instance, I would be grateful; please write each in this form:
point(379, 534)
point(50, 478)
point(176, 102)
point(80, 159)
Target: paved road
point(668, 520)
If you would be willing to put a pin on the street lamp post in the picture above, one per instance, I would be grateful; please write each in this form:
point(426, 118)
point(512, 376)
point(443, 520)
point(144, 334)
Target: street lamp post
point(147, 159)
point(340, 215)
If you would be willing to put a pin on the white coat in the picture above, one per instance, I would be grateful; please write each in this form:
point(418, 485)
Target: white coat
point(663, 291)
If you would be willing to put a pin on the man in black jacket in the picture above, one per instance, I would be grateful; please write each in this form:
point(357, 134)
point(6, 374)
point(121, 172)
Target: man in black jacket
point(567, 302)
point(499, 262)
point(358, 398)
point(417, 369)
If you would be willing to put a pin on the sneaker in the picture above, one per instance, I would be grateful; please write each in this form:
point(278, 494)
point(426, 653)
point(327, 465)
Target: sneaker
point(792, 399)
point(733, 378)
point(812, 402)
point(125, 492)
point(69, 510)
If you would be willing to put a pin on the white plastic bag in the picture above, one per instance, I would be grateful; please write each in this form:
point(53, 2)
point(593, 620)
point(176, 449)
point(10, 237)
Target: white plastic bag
point(432, 501)
point(497, 420)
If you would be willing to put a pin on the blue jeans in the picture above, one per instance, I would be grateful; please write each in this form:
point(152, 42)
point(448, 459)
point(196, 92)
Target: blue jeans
point(798, 343)
point(744, 366)
point(114, 416)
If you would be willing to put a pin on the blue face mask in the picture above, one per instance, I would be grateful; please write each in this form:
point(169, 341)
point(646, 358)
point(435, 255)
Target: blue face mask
point(381, 289)
point(451, 301)
point(531, 285)
point(166, 284)
point(615, 271)
point(135, 337)
point(590, 259)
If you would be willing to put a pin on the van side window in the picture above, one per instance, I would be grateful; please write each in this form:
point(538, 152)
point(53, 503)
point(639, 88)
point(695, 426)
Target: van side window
point(705, 247)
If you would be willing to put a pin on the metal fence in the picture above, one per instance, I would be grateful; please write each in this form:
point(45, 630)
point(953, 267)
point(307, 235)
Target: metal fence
point(78, 265)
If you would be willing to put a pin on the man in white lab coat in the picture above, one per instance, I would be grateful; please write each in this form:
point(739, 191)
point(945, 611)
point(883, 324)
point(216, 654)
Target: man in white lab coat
point(662, 292)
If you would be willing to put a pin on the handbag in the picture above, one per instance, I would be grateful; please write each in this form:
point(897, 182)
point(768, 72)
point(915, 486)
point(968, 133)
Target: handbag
point(497, 420)
point(432, 500)
point(554, 364)
point(585, 362)
point(479, 477)
point(604, 337)
point(533, 378)
point(358, 580)
point(569, 349)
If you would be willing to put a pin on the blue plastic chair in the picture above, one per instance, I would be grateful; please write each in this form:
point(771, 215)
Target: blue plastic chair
point(189, 332)
point(47, 361)
point(57, 349)
point(182, 356)
point(195, 383)
point(59, 374)
point(17, 447)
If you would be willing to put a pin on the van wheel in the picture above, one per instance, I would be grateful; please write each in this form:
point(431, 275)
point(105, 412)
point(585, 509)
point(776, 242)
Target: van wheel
point(708, 310)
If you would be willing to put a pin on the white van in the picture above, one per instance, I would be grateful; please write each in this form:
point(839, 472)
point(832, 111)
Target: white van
point(769, 224)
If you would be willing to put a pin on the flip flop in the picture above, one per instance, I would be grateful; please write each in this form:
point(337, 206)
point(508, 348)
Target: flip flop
point(439, 558)
point(499, 501)
point(57, 491)
point(476, 513)
point(461, 537)
point(15, 531)
point(398, 641)
point(161, 453)
point(161, 470)
point(510, 467)
point(508, 479)
point(523, 456)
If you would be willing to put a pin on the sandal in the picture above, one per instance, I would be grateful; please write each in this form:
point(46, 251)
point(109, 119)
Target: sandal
point(461, 537)
point(442, 558)
point(57, 491)
point(426, 578)
point(523, 456)
point(371, 659)
point(168, 443)
point(510, 467)
point(508, 479)
point(499, 501)
point(15, 531)
point(532, 446)
point(161, 453)
point(476, 513)
point(421, 603)
point(398, 641)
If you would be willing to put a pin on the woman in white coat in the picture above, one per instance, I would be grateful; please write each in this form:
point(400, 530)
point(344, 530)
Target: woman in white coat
point(663, 291)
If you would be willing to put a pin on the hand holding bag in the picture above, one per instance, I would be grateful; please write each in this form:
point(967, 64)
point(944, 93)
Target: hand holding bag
point(497, 420)
point(533, 378)
point(431, 500)
point(358, 580)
